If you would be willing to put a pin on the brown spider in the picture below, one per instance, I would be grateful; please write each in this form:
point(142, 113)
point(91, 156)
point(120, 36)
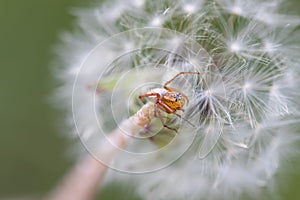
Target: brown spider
point(168, 100)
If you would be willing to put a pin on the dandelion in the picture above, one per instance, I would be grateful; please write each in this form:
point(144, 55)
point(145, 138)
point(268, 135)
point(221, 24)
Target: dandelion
point(241, 110)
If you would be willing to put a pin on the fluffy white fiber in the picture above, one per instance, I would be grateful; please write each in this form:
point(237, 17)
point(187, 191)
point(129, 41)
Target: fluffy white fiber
point(245, 106)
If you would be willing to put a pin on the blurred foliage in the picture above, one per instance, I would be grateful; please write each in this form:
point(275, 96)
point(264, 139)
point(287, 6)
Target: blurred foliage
point(32, 150)
point(32, 153)
point(124, 190)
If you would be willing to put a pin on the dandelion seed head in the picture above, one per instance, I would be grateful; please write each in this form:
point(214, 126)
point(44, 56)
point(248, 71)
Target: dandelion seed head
point(247, 87)
point(235, 47)
point(156, 21)
point(244, 106)
point(189, 8)
point(208, 93)
point(237, 10)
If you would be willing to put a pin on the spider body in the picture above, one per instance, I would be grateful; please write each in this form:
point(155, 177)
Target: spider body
point(168, 99)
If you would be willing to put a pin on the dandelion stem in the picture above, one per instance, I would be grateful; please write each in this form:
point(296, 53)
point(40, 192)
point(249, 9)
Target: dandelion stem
point(83, 180)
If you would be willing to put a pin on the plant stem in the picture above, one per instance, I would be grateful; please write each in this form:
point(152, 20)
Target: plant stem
point(83, 180)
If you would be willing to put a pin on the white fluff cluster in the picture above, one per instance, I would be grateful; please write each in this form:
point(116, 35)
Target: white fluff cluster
point(245, 105)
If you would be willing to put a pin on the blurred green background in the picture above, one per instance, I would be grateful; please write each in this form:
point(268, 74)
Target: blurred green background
point(32, 149)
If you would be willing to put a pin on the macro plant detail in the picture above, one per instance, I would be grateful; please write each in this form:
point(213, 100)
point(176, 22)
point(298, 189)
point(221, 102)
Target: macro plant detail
point(239, 66)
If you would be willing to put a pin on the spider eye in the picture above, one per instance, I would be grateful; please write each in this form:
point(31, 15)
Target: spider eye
point(177, 96)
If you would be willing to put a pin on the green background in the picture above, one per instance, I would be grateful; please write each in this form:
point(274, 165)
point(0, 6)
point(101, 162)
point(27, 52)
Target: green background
point(33, 154)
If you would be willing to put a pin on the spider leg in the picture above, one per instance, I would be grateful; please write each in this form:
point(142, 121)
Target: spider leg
point(165, 107)
point(181, 73)
point(149, 95)
point(178, 115)
point(161, 119)
point(169, 110)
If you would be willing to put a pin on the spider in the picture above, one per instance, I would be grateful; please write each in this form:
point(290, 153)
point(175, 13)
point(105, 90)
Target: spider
point(168, 100)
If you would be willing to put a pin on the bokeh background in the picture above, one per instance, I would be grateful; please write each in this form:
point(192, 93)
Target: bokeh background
point(33, 149)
